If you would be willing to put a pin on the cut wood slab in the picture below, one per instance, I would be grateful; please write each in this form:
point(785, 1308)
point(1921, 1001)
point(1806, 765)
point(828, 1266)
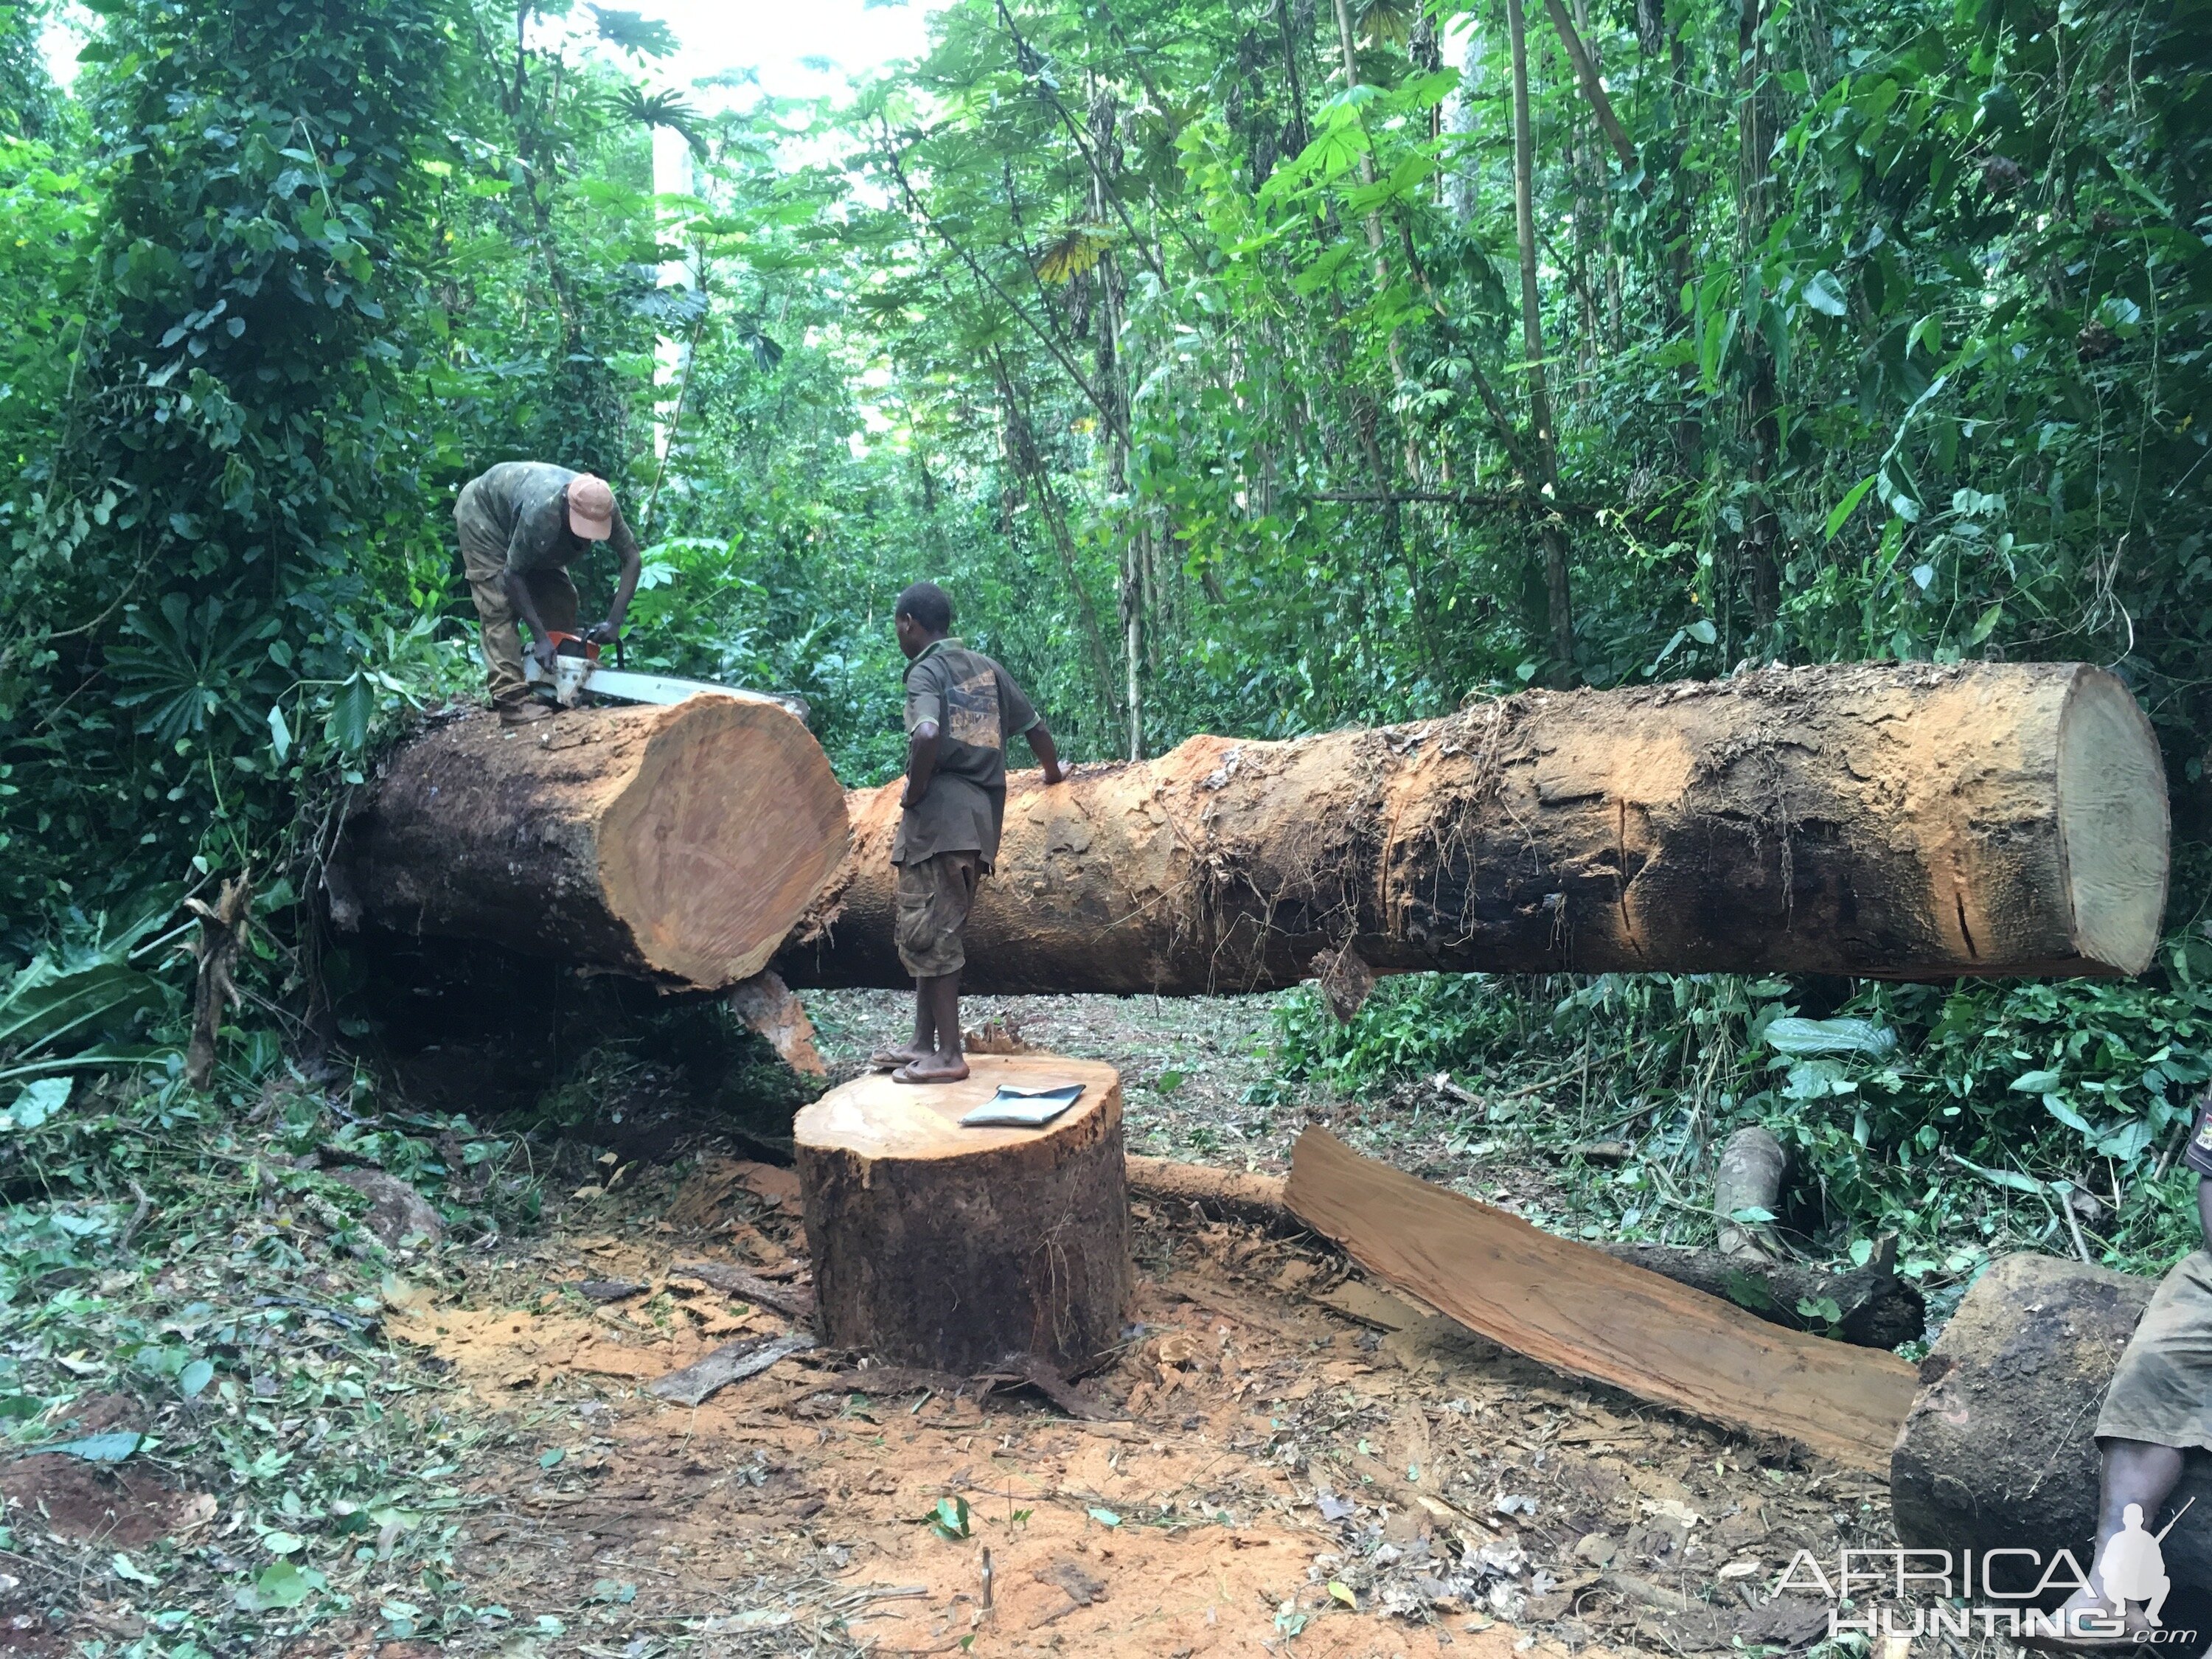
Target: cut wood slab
point(1877, 1308)
point(1585, 1313)
point(963, 1249)
point(733, 1362)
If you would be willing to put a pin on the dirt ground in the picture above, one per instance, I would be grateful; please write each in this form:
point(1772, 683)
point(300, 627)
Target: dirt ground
point(1287, 1459)
point(1291, 1461)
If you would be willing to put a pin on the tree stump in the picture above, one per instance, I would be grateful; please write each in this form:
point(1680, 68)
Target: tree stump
point(956, 1248)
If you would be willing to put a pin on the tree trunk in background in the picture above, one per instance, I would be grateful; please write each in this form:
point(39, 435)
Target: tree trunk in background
point(1900, 821)
point(674, 844)
point(1558, 600)
point(1113, 383)
point(1760, 543)
point(1655, 36)
point(1027, 463)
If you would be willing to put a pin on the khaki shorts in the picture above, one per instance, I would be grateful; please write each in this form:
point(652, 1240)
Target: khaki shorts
point(2162, 1391)
point(933, 900)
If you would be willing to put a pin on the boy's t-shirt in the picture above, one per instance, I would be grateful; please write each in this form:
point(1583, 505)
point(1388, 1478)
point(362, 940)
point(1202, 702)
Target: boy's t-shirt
point(977, 707)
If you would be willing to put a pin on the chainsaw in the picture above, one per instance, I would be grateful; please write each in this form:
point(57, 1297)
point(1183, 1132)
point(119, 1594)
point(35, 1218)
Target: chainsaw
point(577, 674)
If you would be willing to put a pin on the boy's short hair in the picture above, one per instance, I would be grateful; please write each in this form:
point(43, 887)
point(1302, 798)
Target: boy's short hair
point(928, 604)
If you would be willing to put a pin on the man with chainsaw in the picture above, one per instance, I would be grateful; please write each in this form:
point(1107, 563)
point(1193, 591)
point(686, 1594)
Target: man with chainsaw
point(522, 524)
point(961, 709)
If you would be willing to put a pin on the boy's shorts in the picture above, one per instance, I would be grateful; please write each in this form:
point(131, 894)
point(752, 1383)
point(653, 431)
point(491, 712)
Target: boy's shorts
point(934, 899)
point(2162, 1391)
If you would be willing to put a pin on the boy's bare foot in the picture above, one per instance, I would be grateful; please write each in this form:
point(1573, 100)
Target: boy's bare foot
point(931, 1069)
point(890, 1060)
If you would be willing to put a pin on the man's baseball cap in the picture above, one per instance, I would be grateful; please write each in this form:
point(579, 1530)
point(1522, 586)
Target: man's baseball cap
point(590, 507)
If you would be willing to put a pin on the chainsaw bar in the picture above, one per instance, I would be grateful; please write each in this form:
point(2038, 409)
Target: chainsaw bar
point(573, 677)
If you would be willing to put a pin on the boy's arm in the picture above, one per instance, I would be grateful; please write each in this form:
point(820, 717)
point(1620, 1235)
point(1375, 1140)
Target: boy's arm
point(1041, 746)
point(925, 714)
point(922, 746)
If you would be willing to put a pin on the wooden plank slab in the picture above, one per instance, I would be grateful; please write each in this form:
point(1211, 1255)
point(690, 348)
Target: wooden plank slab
point(1591, 1315)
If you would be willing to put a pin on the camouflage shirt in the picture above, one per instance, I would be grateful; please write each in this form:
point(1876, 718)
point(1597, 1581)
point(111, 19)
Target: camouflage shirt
point(977, 707)
point(522, 506)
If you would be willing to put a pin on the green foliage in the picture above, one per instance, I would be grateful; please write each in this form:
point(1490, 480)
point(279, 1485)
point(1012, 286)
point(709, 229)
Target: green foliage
point(1947, 1115)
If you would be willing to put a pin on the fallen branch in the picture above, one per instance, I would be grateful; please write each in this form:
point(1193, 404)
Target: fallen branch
point(733, 1362)
point(791, 1301)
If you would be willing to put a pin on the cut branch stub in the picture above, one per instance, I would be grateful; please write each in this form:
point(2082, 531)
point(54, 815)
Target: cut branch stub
point(677, 844)
point(1894, 821)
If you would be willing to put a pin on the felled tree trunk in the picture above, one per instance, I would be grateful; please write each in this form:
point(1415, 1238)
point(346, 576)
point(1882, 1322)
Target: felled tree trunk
point(965, 1249)
point(1999, 1451)
point(1889, 820)
point(675, 843)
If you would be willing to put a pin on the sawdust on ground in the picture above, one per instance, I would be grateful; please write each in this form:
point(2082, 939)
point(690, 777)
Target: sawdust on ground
point(1299, 1463)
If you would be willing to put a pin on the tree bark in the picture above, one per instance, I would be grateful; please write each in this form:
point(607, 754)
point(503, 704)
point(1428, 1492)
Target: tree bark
point(1902, 821)
point(958, 1249)
point(1999, 1451)
point(676, 844)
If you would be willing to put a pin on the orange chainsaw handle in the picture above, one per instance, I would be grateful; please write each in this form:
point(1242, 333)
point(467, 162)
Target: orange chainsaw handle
point(572, 645)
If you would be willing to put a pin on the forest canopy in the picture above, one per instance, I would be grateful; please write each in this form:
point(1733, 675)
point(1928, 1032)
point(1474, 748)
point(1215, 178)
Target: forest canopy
point(1254, 367)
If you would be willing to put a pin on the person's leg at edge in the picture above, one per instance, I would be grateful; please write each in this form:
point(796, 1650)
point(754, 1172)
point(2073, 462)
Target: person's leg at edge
point(2133, 1472)
point(943, 994)
point(913, 894)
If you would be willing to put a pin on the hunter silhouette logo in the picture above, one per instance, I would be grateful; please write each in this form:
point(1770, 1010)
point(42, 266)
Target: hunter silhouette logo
point(1996, 1592)
point(2134, 1566)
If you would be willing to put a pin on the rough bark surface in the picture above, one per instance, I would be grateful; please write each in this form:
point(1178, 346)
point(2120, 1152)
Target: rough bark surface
point(1999, 1451)
point(1889, 820)
point(677, 844)
point(959, 1249)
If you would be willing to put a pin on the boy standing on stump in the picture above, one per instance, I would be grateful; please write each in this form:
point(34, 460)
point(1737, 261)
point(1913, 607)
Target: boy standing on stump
point(961, 708)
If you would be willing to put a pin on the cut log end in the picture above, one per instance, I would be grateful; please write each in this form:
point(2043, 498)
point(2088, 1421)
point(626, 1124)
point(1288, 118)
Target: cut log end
point(676, 844)
point(730, 825)
point(2112, 822)
point(956, 1248)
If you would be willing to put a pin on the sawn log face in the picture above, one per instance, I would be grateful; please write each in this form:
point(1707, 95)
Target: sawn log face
point(1898, 820)
point(675, 843)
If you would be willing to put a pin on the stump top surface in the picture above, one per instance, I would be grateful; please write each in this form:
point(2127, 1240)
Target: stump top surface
point(873, 1117)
